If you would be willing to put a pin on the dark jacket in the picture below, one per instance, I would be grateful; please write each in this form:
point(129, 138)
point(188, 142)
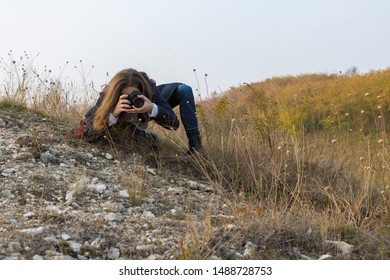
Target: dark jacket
point(165, 116)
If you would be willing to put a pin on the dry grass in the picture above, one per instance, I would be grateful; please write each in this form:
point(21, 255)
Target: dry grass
point(282, 157)
point(42, 90)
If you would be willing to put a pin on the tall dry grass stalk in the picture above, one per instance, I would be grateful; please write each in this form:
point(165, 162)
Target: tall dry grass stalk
point(42, 90)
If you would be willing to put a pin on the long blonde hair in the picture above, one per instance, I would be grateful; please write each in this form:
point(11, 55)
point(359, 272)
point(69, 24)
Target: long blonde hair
point(112, 92)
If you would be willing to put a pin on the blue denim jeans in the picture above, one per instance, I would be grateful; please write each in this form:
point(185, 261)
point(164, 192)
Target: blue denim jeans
point(184, 97)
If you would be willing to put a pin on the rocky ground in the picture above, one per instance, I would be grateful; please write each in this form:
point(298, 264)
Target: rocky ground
point(62, 198)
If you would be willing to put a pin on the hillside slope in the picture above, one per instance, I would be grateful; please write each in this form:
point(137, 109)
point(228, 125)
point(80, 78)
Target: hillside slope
point(61, 198)
point(319, 101)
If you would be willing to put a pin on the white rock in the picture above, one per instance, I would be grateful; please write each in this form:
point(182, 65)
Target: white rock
point(250, 248)
point(231, 226)
point(113, 254)
point(95, 180)
point(144, 250)
point(32, 231)
point(89, 155)
point(52, 252)
point(63, 165)
point(51, 240)
point(325, 257)
point(7, 193)
point(75, 246)
point(99, 188)
point(8, 172)
point(148, 215)
point(151, 171)
point(111, 217)
point(108, 156)
point(176, 190)
point(66, 257)
point(344, 247)
point(154, 257)
point(124, 194)
point(193, 185)
point(29, 215)
point(69, 196)
point(65, 236)
point(304, 257)
point(96, 243)
point(54, 209)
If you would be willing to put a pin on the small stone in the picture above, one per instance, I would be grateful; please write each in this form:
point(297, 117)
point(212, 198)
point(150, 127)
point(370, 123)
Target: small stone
point(124, 194)
point(29, 215)
point(8, 172)
point(145, 240)
point(63, 165)
point(344, 247)
point(51, 240)
point(325, 257)
point(69, 196)
point(99, 188)
point(208, 189)
point(149, 215)
point(48, 158)
point(113, 253)
point(65, 257)
point(108, 156)
point(75, 246)
point(193, 185)
point(89, 155)
point(32, 231)
point(154, 257)
point(54, 209)
point(14, 246)
point(143, 250)
point(151, 171)
point(51, 253)
point(250, 249)
point(95, 180)
point(176, 190)
point(231, 226)
point(2, 123)
point(65, 236)
point(112, 217)
point(6, 193)
point(81, 257)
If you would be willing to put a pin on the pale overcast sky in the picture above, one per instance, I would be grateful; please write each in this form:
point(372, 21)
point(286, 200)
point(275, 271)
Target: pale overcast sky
point(232, 41)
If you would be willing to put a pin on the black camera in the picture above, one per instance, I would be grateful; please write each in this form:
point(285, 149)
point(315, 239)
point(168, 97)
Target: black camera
point(135, 100)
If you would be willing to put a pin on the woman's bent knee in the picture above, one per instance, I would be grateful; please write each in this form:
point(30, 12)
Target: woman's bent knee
point(185, 91)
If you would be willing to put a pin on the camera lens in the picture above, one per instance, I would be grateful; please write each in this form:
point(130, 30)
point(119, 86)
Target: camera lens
point(138, 102)
point(135, 100)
